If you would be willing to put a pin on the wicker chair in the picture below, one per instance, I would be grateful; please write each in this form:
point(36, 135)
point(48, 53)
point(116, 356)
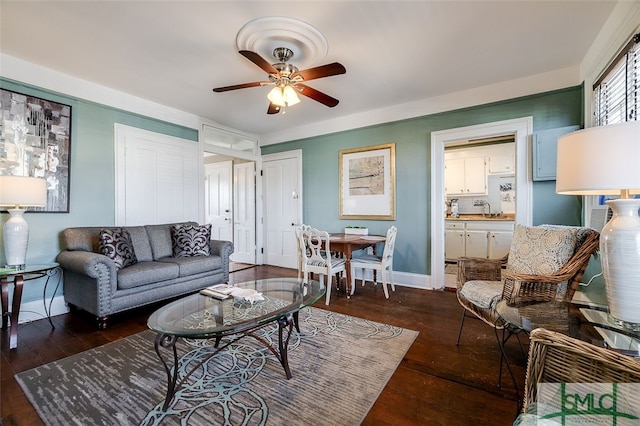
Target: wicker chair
point(556, 358)
point(514, 285)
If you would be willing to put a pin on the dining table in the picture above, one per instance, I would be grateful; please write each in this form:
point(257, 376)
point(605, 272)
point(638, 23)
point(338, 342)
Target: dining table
point(347, 244)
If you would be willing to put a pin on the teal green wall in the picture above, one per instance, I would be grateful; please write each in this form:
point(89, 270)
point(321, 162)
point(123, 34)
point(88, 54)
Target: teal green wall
point(413, 175)
point(92, 170)
point(92, 199)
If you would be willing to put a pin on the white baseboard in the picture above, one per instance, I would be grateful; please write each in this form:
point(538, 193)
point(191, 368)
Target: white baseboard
point(405, 279)
point(34, 310)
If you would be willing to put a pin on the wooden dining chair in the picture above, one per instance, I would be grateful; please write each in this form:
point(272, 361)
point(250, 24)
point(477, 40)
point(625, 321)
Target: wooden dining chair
point(382, 264)
point(317, 259)
point(299, 230)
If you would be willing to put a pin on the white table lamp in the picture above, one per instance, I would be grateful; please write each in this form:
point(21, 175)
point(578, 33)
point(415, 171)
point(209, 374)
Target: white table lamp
point(605, 160)
point(19, 192)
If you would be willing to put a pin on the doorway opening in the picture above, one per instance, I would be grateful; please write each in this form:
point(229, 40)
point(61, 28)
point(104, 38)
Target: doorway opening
point(521, 129)
point(230, 190)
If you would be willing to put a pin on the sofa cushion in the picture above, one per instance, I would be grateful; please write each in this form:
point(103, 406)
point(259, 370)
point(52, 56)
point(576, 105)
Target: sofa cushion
point(140, 242)
point(116, 244)
point(191, 240)
point(541, 250)
point(160, 240)
point(143, 273)
point(195, 264)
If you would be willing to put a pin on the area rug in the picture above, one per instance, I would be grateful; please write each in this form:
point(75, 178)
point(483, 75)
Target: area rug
point(340, 364)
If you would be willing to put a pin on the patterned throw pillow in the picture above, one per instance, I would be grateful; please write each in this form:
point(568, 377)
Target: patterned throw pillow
point(116, 245)
point(191, 240)
point(541, 250)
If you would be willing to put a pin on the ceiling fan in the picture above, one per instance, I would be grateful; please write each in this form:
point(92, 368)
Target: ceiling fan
point(288, 80)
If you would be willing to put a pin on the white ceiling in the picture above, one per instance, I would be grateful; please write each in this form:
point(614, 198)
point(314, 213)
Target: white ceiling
point(395, 52)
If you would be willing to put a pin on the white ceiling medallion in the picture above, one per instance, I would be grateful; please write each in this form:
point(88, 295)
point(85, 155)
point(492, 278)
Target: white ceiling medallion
point(263, 35)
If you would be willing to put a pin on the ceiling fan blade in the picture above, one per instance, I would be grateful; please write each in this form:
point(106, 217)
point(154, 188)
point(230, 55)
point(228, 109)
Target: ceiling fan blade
point(238, 86)
point(273, 109)
point(316, 95)
point(259, 61)
point(321, 71)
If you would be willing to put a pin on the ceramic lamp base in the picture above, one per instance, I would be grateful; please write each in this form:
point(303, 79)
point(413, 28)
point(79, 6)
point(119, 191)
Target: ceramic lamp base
point(620, 248)
point(16, 239)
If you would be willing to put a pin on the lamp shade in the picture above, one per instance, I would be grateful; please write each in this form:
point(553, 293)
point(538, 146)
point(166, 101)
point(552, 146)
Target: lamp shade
point(23, 191)
point(605, 161)
point(600, 160)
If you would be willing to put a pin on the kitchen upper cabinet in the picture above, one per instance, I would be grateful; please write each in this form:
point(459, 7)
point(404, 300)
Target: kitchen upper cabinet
point(465, 176)
point(545, 147)
point(502, 164)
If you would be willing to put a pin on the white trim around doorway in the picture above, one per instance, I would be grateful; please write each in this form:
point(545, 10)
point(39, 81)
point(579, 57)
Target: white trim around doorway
point(522, 130)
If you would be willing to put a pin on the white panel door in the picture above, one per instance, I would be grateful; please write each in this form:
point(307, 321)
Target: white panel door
point(282, 211)
point(218, 199)
point(244, 213)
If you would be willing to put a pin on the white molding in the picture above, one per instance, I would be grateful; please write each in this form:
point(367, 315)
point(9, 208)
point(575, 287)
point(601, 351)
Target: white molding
point(46, 78)
point(402, 279)
point(34, 310)
point(539, 83)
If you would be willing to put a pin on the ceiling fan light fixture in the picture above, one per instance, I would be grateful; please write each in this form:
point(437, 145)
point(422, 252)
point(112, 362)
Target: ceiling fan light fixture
point(283, 96)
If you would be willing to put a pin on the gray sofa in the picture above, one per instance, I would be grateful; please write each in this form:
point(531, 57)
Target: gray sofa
point(94, 283)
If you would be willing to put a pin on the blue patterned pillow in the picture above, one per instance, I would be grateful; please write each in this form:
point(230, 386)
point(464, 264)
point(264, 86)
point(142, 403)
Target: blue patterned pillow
point(191, 240)
point(116, 244)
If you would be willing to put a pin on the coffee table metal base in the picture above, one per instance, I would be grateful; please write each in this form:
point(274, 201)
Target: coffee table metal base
point(285, 328)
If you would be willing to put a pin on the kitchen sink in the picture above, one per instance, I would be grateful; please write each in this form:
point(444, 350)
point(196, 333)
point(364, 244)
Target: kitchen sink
point(491, 215)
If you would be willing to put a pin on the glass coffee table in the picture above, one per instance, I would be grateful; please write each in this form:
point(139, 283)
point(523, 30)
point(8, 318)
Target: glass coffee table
point(201, 316)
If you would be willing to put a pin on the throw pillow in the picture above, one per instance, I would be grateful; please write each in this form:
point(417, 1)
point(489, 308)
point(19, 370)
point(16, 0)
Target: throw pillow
point(191, 240)
point(541, 250)
point(116, 244)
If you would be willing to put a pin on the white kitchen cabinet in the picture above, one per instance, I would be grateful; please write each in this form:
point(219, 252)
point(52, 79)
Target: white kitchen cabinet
point(502, 164)
point(483, 238)
point(465, 176)
point(476, 243)
point(499, 243)
point(454, 240)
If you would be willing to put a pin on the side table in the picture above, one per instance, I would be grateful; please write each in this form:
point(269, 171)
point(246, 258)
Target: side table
point(18, 277)
point(586, 322)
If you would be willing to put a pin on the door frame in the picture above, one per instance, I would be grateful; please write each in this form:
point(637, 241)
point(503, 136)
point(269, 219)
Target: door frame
point(522, 129)
point(214, 149)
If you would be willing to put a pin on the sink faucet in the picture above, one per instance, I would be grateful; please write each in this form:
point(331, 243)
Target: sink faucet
point(488, 205)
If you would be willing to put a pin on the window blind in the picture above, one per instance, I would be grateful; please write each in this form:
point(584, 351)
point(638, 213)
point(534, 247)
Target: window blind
point(616, 98)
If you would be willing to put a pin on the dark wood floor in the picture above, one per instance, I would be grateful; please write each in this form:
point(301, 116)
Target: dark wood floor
point(437, 383)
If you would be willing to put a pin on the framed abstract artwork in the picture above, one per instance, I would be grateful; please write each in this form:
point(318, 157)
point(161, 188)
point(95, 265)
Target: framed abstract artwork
point(367, 182)
point(35, 140)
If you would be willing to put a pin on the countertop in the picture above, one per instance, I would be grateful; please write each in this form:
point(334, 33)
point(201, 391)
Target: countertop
point(465, 217)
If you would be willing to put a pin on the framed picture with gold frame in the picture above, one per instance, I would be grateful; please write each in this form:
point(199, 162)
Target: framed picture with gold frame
point(367, 182)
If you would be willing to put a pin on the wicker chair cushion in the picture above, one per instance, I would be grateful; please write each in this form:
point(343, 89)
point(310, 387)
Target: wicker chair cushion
point(484, 294)
point(542, 250)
